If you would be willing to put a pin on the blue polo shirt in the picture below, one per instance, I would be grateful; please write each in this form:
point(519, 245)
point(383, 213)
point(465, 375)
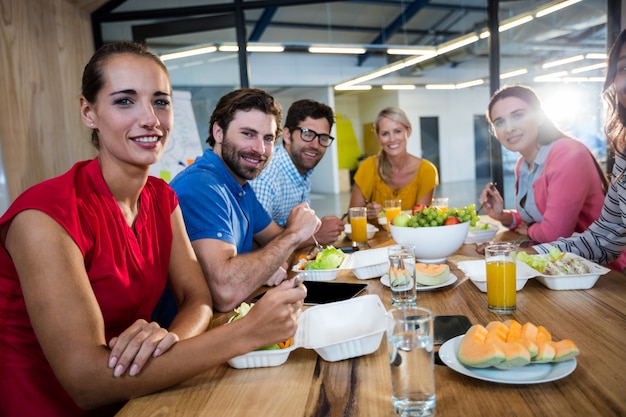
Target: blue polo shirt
point(215, 206)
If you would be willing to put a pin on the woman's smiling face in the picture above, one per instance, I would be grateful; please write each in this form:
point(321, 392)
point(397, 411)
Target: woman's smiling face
point(392, 135)
point(515, 124)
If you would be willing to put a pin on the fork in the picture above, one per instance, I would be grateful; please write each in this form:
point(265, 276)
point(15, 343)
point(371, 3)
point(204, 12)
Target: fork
point(317, 244)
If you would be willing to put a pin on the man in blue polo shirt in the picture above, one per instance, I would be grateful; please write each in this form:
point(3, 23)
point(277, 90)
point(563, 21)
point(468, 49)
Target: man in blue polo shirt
point(286, 181)
point(222, 214)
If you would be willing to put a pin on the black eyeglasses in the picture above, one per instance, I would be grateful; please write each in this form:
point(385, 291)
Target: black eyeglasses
point(308, 135)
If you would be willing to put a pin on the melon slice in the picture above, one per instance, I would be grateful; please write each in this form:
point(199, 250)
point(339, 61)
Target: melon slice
point(545, 352)
point(473, 351)
point(431, 274)
point(516, 355)
point(565, 350)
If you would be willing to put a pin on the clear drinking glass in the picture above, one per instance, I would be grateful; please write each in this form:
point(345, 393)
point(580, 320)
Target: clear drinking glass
point(500, 259)
point(402, 274)
point(411, 361)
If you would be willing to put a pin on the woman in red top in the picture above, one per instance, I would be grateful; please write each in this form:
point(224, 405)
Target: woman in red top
point(84, 258)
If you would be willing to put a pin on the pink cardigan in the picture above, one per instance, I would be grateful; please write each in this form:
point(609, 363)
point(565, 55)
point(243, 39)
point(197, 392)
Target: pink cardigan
point(575, 191)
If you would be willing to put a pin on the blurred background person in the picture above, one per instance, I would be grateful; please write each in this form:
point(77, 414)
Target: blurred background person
point(393, 173)
point(286, 180)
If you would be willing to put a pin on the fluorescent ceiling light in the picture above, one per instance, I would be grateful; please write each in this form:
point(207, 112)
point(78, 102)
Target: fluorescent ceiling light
point(589, 68)
point(563, 61)
point(190, 52)
point(440, 86)
point(336, 50)
point(514, 73)
point(343, 87)
point(456, 44)
point(265, 48)
point(410, 51)
point(484, 34)
point(252, 48)
point(398, 87)
point(596, 56)
point(555, 7)
point(467, 84)
point(514, 23)
point(555, 76)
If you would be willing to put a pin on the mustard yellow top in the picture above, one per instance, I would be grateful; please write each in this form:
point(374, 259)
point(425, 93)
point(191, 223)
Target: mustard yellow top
point(374, 188)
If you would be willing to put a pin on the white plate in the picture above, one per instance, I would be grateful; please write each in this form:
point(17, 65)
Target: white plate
point(530, 374)
point(385, 281)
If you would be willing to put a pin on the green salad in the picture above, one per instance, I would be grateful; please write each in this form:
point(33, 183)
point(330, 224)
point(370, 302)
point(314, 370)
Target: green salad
point(329, 258)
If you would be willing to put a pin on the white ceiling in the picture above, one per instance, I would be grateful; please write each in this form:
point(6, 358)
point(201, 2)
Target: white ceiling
point(375, 24)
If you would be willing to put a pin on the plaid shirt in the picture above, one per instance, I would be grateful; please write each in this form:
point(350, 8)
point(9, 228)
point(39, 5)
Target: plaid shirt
point(280, 186)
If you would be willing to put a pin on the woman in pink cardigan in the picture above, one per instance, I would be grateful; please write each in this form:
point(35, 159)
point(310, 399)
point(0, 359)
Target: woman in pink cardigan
point(559, 186)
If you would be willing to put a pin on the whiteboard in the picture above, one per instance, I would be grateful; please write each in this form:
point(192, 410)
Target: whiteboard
point(184, 145)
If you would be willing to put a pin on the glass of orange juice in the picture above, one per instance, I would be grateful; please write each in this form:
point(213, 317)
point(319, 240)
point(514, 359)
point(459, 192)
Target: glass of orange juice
point(441, 203)
point(501, 276)
point(392, 208)
point(358, 223)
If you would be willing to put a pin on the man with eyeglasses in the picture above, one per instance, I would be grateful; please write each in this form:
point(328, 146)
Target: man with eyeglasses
point(286, 180)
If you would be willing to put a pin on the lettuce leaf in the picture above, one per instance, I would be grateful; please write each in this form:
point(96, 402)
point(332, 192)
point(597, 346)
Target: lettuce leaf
point(536, 262)
point(329, 258)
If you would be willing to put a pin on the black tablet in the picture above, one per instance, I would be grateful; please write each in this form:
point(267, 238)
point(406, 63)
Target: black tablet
point(322, 292)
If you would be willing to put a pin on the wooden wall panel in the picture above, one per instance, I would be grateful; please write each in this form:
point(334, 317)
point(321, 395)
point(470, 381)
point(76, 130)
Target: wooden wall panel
point(44, 45)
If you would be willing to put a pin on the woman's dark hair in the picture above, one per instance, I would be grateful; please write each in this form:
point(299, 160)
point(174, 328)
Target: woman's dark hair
point(616, 113)
point(301, 109)
point(245, 99)
point(93, 74)
point(548, 132)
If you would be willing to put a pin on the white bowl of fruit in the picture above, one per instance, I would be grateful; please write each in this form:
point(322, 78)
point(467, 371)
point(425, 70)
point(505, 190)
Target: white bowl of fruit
point(435, 233)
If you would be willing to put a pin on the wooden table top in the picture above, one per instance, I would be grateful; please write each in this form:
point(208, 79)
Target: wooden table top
point(306, 385)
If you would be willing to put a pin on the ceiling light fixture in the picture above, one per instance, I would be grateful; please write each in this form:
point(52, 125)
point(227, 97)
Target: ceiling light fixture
point(563, 61)
point(410, 51)
point(589, 68)
point(468, 84)
point(555, 76)
point(252, 48)
point(513, 73)
point(189, 52)
point(518, 21)
point(440, 87)
point(596, 56)
point(336, 50)
point(398, 87)
point(555, 7)
point(456, 44)
point(352, 87)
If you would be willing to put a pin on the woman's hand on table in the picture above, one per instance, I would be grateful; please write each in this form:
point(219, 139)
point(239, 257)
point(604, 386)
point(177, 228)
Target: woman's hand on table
point(134, 346)
point(275, 315)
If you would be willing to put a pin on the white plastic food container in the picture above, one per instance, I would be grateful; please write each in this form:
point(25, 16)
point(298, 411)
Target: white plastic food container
point(322, 274)
point(369, 263)
point(476, 271)
point(336, 331)
point(574, 282)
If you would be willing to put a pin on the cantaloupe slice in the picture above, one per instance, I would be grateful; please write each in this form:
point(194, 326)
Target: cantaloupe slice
point(431, 274)
point(516, 355)
point(529, 331)
point(473, 351)
point(496, 332)
point(543, 334)
point(515, 330)
point(565, 350)
point(545, 352)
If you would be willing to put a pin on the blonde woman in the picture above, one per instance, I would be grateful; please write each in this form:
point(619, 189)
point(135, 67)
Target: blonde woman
point(393, 173)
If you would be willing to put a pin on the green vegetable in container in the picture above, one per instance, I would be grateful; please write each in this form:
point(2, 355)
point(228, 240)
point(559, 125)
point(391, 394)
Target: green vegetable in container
point(329, 258)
